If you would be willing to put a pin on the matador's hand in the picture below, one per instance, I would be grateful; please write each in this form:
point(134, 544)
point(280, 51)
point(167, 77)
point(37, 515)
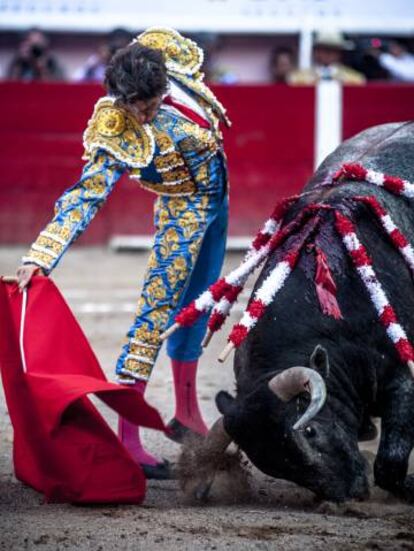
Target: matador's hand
point(25, 273)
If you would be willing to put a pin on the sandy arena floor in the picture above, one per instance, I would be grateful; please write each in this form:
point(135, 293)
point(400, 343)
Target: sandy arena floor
point(101, 287)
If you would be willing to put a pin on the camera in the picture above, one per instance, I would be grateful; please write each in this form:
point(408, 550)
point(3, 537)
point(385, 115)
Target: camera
point(37, 50)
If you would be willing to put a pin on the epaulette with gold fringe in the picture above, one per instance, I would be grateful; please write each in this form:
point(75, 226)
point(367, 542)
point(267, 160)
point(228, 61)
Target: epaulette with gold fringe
point(112, 129)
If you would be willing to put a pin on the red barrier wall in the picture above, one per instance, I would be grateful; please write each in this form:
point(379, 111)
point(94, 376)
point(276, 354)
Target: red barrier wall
point(270, 152)
point(365, 106)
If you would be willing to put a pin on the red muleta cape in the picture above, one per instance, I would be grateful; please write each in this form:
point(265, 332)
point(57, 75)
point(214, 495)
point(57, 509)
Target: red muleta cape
point(62, 445)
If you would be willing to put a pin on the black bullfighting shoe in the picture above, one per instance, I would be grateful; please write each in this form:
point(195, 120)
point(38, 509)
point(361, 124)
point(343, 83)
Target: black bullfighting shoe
point(160, 471)
point(177, 432)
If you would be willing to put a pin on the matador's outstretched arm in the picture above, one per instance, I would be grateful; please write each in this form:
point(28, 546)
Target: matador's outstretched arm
point(75, 209)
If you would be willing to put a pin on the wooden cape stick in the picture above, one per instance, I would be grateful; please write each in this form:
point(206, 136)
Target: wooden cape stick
point(168, 332)
point(226, 352)
point(207, 338)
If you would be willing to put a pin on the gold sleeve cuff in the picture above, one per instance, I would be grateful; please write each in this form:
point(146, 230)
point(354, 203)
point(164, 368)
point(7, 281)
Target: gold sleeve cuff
point(49, 246)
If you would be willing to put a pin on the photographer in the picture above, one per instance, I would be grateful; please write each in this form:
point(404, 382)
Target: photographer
point(94, 68)
point(398, 61)
point(33, 61)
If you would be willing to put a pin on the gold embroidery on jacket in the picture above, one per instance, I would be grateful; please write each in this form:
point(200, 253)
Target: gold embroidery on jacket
point(164, 142)
point(176, 175)
point(144, 351)
point(145, 334)
point(119, 133)
point(43, 258)
point(184, 188)
point(138, 368)
point(62, 231)
point(49, 243)
point(181, 54)
point(168, 161)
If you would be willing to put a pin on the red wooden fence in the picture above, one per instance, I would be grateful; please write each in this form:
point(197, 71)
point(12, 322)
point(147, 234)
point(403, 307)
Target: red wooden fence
point(270, 150)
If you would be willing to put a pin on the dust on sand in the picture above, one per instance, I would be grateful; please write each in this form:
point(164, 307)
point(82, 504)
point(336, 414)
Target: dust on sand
point(246, 510)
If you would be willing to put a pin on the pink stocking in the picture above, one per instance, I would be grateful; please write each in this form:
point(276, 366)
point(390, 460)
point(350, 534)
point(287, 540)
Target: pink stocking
point(186, 404)
point(129, 435)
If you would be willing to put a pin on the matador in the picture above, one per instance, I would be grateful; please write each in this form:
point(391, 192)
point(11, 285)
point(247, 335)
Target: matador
point(161, 126)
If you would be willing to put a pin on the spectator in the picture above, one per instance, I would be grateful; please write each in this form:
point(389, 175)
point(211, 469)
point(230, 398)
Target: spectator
point(33, 60)
point(222, 74)
point(215, 72)
point(367, 60)
point(327, 53)
point(282, 64)
point(94, 68)
point(398, 61)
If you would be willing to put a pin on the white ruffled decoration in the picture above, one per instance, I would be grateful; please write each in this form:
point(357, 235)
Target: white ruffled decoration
point(378, 178)
point(407, 251)
point(204, 302)
point(273, 283)
point(375, 289)
point(408, 254)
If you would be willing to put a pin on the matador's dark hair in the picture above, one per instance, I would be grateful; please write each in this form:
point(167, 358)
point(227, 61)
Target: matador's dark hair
point(136, 73)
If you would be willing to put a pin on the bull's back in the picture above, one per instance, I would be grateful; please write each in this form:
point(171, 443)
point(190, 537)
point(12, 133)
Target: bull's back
point(387, 148)
point(294, 322)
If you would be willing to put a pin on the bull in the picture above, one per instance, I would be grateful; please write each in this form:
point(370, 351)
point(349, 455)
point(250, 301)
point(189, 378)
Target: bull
point(308, 383)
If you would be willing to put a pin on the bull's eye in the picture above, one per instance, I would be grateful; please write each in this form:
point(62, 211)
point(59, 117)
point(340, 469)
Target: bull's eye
point(310, 432)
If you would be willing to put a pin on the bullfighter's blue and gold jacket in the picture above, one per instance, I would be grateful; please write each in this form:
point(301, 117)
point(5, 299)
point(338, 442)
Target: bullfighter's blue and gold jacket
point(172, 156)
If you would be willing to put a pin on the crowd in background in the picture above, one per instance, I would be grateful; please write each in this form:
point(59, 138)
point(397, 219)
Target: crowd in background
point(334, 57)
point(344, 60)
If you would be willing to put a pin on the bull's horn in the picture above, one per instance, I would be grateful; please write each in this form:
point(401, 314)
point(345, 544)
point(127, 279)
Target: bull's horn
point(295, 380)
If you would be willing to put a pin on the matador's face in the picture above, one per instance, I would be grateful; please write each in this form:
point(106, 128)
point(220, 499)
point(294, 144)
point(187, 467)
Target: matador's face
point(144, 110)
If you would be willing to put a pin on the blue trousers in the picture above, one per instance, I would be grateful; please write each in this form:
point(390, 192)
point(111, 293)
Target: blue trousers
point(187, 257)
point(185, 344)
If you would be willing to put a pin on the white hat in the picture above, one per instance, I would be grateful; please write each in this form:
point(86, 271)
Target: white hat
point(332, 39)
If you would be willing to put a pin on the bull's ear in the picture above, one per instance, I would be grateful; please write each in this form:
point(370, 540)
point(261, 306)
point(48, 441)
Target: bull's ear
point(319, 361)
point(224, 402)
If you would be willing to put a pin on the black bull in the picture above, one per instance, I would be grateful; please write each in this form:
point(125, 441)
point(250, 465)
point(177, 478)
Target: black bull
point(359, 366)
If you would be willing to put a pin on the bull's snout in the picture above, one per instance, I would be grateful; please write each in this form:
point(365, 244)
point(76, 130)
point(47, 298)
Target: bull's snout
point(360, 487)
point(340, 490)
